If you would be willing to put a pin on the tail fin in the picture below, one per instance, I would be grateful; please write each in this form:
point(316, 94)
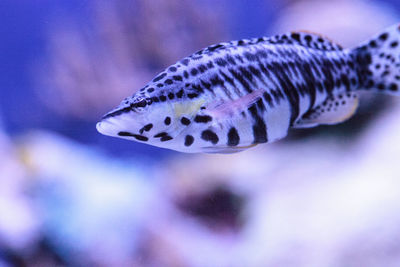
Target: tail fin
point(379, 62)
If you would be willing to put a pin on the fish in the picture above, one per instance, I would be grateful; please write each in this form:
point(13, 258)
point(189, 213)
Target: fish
point(232, 96)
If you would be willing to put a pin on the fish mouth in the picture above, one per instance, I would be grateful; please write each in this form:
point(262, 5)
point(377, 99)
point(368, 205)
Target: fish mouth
point(106, 127)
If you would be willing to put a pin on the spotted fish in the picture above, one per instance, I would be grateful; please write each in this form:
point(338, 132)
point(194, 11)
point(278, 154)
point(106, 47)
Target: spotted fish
point(232, 96)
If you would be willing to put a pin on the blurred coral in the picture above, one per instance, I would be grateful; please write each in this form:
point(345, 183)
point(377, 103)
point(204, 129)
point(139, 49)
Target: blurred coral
point(93, 64)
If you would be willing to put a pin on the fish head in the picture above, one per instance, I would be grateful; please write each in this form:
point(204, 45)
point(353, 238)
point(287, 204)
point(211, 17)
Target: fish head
point(160, 118)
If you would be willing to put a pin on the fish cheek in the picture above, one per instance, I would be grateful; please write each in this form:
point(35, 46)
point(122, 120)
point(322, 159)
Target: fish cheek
point(187, 108)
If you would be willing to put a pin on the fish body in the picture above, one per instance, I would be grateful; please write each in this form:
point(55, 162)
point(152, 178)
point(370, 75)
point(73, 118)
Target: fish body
point(232, 96)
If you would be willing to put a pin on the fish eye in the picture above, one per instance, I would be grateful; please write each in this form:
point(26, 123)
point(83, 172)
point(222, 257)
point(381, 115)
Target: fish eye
point(140, 104)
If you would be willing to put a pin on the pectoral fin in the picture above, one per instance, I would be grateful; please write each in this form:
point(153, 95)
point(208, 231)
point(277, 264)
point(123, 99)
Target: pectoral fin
point(334, 110)
point(228, 109)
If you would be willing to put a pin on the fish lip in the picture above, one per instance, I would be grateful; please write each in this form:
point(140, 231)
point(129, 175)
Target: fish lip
point(101, 127)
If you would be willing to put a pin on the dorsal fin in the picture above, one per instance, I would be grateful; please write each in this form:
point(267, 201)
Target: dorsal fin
point(307, 39)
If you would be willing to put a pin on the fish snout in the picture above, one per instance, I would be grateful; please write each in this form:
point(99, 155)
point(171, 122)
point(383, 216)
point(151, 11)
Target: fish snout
point(107, 127)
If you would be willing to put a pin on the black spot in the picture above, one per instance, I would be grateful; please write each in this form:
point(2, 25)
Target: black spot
point(155, 99)
point(295, 36)
point(179, 94)
point(186, 74)
point(233, 137)
point(210, 65)
point(185, 121)
point(241, 42)
point(192, 95)
point(372, 44)
point(177, 78)
point(196, 57)
point(194, 72)
point(172, 69)
point(160, 85)
point(151, 89)
point(169, 81)
point(308, 38)
point(171, 96)
point(160, 135)
point(159, 77)
point(167, 121)
point(202, 68)
point(394, 44)
point(215, 47)
point(198, 88)
point(165, 138)
point(383, 36)
point(185, 62)
point(210, 136)
point(381, 86)
point(393, 87)
point(202, 118)
point(138, 137)
point(189, 140)
point(146, 128)
point(163, 98)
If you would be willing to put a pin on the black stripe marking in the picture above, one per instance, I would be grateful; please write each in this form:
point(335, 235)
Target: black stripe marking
point(233, 137)
point(242, 81)
point(259, 127)
point(210, 136)
point(221, 62)
point(231, 82)
point(288, 88)
point(189, 140)
point(138, 137)
point(230, 59)
point(207, 85)
point(268, 99)
point(247, 74)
